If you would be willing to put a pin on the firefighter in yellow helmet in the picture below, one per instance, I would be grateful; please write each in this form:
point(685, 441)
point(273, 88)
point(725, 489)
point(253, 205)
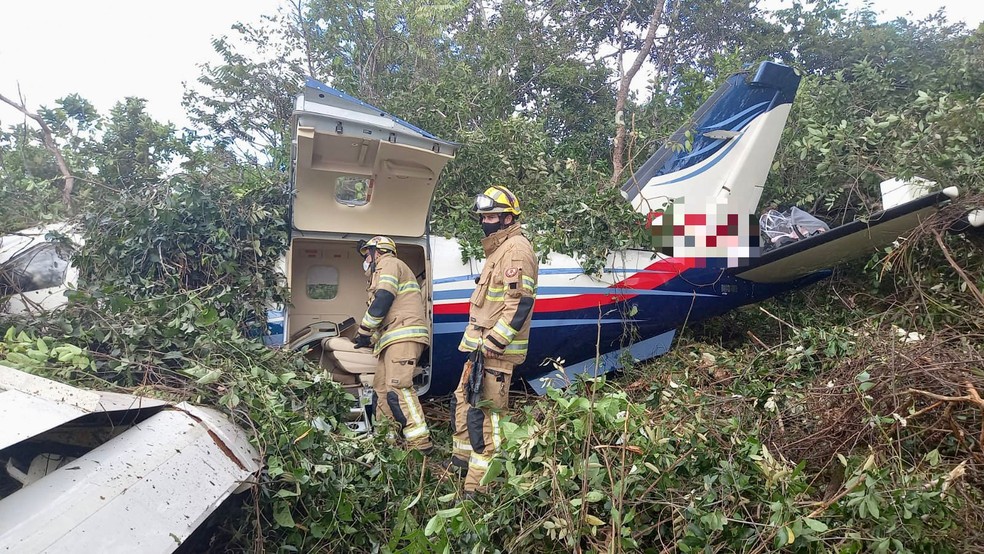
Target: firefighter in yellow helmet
point(498, 329)
point(395, 318)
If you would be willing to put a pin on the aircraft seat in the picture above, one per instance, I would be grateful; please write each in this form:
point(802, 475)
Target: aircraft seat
point(357, 361)
point(349, 358)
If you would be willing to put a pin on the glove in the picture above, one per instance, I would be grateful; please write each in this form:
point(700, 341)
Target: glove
point(361, 341)
point(491, 350)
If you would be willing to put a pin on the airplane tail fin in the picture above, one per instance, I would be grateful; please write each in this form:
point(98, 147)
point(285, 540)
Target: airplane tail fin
point(723, 154)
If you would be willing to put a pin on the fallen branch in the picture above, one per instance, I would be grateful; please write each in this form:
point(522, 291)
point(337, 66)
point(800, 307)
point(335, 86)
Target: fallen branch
point(972, 397)
point(758, 341)
point(971, 285)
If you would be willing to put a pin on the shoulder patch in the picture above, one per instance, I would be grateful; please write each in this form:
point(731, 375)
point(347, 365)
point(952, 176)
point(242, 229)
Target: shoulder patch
point(511, 272)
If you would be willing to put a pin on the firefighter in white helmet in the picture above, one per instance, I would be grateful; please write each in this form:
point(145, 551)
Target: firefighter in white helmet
point(395, 319)
point(498, 328)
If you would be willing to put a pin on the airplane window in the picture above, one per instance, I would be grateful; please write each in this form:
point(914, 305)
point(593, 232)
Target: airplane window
point(351, 190)
point(322, 282)
point(39, 267)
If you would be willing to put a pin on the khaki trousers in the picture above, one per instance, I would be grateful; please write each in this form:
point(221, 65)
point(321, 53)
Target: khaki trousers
point(477, 437)
point(395, 397)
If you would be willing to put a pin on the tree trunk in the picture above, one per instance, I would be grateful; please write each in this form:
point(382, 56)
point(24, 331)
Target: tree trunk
point(49, 143)
point(306, 37)
point(625, 82)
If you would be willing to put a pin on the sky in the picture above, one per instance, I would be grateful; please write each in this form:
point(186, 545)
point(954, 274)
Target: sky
point(106, 50)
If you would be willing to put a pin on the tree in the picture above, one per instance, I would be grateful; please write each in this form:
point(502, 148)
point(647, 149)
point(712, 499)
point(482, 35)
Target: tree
point(48, 137)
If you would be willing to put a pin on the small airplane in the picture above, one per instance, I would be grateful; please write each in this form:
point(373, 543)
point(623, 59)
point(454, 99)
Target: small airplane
point(358, 172)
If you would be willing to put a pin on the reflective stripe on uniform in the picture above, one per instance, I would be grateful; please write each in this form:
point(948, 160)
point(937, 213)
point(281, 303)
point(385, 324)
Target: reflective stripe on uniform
point(505, 330)
point(411, 432)
point(496, 437)
point(408, 286)
point(401, 334)
point(495, 294)
point(517, 347)
point(479, 462)
point(529, 284)
point(370, 322)
point(409, 398)
point(463, 447)
point(469, 344)
point(389, 280)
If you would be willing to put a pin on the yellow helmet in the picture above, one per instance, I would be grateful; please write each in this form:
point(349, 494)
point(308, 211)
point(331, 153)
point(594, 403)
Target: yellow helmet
point(497, 199)
point(380, 243)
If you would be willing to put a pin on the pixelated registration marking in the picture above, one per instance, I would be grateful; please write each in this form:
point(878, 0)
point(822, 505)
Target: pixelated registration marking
point(706, 231)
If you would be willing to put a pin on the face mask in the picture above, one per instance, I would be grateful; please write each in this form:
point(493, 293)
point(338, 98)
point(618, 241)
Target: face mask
point(489, 228)
point(365, 264)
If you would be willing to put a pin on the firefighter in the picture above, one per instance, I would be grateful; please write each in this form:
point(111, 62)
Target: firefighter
point(498, 329)
point(395, 320)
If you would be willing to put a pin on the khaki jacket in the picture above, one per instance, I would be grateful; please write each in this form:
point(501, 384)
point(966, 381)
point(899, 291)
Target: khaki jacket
point(405, 320)
point(498, 310)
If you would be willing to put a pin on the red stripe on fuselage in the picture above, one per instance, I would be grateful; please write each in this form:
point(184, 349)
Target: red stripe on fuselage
point(651, 278)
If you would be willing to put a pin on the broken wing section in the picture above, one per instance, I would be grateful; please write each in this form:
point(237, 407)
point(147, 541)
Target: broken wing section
point(85, 471)
point(847, 242)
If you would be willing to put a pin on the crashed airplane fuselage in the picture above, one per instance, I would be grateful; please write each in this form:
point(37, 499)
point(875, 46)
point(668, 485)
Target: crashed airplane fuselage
point(359, 172)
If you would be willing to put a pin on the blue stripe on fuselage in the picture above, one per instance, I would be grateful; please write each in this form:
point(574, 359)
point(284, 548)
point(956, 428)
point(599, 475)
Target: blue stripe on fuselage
point(576, 335)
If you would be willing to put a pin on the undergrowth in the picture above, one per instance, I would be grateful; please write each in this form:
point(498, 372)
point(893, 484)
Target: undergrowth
point(844, 418)
point(794, 448)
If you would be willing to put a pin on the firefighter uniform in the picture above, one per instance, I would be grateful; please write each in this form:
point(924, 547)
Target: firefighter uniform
point(498, 321)
point(396, 319)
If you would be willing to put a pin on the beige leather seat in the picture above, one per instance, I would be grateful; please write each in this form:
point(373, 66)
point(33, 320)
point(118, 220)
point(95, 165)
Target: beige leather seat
point(350, 359)
point(361, 365)
point(357, 361)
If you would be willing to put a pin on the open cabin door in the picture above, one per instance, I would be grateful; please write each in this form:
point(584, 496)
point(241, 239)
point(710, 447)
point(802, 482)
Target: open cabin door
point(357, 172)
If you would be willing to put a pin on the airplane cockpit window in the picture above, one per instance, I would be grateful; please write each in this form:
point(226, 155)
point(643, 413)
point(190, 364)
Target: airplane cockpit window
point(322, 282)
point(39, 267)
point(353, 190)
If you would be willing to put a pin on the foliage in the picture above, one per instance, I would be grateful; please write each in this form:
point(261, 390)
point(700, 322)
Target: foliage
point(600, 471)
point(517, 154)
point(813, 439)
point(106, 154)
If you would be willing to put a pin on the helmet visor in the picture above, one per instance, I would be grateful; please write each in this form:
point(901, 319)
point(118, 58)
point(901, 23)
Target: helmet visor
point(484, 203)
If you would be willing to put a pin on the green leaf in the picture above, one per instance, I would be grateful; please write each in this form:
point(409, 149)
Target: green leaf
point(817, 526)
point(873, 509)
point(449, 512)
point(282, 516)
point(434, 525)
point(594, 496)
point(207, 317)
point(21, 360)
point(210, 377)
point(495, 469)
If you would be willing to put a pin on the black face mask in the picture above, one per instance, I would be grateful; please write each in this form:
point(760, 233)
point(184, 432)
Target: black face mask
point(489, 228)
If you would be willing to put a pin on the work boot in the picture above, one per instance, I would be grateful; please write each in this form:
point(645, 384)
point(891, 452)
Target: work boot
point(456, 466)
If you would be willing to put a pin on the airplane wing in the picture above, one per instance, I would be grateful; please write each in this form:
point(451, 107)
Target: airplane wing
point(850, 241)
point(88, 471)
